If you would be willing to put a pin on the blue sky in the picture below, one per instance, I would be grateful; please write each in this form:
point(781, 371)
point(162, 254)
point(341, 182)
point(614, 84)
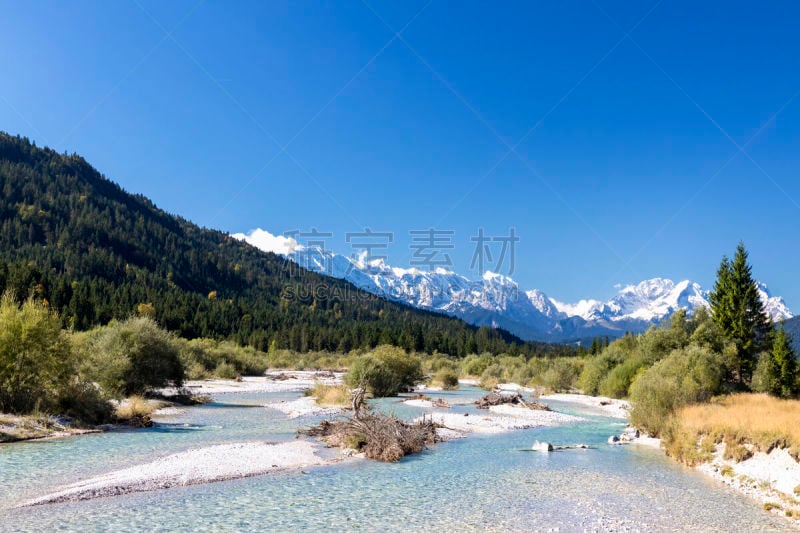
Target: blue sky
point(621, 140)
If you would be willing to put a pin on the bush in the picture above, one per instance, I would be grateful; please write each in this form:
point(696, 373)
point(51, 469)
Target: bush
point(475, 365)
point(203, 357)
point(686, 376)
point(596, 368)
point(84, 403)
point(36, 358)
point(618, 381)
point(556, 374)
point(435, 363)
point(385, 371)
point(492, 376)
point(765, 376)
point(225, 370)
point(446, 378)
point(132, 357)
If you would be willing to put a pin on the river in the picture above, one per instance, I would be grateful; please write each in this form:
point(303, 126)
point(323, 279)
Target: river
point(484, 482)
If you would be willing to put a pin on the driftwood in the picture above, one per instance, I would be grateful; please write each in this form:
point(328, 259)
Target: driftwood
point(379, 436)
point(436, 402)
point(494, 398)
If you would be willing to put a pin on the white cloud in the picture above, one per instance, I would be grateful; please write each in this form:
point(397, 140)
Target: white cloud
point(618, 286)
point(267, 242)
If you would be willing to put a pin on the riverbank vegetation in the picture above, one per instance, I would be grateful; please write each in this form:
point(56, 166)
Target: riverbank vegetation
point(328, 395)
point(744, 422)
point(679, 376)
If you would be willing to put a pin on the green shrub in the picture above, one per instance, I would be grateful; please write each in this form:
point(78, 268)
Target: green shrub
point(596, 368)
point(492, 376)
point(556, 373)
point(84, 403)
point(446, 378)
point(225, 370)
point(36, 358)
point(436, 363)
point(202, 357)
point(765, 376)
point(132, 357)
point(618, 381)
point(686, 376)
point(475, 365)
point(385, 371)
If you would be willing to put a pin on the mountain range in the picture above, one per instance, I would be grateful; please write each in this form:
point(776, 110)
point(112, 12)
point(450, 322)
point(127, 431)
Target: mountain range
point(498, 301)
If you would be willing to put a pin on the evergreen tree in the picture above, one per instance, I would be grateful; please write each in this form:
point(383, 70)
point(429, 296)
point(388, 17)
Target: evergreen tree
point(738, 310)
point(785, 364)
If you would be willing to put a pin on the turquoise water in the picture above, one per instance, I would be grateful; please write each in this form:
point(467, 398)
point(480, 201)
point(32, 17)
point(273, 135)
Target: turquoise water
point(475, 484)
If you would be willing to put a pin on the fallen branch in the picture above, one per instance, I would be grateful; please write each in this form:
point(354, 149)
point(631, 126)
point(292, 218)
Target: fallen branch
point(494, 398)
point(379, 436)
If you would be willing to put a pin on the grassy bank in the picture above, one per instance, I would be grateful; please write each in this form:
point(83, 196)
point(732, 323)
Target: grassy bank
point(15, 428)
point(743, 422)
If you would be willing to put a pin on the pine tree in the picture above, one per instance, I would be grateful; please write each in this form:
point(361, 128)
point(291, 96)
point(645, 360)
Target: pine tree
point(738, 310)
point(785, 364)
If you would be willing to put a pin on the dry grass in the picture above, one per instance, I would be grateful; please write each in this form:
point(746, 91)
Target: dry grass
point(445, 378)
point(17, 427)
point(135, 407)
point(331, 395)
point(755, 419)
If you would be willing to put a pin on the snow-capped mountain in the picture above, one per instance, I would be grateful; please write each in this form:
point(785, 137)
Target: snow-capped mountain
point(498, 301)
point(649, 301)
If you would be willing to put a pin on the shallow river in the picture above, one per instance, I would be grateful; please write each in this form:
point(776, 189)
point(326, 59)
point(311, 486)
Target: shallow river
point(480, 483)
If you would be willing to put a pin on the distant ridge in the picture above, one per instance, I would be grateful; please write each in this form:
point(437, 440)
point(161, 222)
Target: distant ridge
point(498, 300)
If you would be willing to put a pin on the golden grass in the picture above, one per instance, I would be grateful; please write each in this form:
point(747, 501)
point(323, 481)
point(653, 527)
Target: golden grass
point(446, 379)
point(135, 406)
point(757, 419)
point(331, 395)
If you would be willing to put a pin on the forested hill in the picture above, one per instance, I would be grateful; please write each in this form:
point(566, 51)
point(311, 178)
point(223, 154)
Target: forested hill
point(96, 252)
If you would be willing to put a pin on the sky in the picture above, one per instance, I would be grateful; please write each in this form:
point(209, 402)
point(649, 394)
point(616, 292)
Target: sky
point(619, 141)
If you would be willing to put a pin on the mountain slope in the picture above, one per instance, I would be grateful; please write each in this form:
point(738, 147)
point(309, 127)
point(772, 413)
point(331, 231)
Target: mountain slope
point(497, 300)
point(95, 252)
point(793, 327)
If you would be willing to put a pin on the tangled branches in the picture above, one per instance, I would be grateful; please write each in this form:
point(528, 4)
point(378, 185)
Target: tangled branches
point(494, 398)
point(379, 436)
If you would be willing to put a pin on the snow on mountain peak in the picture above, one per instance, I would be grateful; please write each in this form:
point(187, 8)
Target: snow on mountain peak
point(773, 305)
point(497, 300)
